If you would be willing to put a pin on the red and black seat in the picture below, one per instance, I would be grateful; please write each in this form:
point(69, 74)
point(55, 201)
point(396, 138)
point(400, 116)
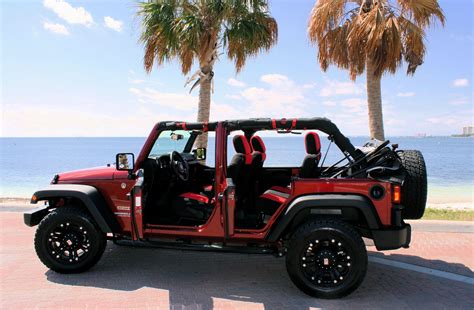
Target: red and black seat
point(239, 170)
point(271, 199)
point(258, 151)
point(309, 168)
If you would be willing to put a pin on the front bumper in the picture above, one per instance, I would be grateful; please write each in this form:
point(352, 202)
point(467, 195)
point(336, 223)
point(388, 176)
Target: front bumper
point(33, 217)
point(392, 238)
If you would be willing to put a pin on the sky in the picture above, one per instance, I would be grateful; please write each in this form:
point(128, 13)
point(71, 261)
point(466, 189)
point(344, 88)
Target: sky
point(75, 68)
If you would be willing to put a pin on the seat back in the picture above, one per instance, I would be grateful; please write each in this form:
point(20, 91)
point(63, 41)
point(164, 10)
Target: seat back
point(309, 168)
point(239, 170)
point(258, 158)
point(242, 158)
point(258, 152)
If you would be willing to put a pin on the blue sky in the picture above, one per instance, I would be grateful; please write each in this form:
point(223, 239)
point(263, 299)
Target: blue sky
point(74, 68)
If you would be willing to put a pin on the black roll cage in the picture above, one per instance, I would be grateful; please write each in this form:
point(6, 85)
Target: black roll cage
point(316, 123)
point(255, 124)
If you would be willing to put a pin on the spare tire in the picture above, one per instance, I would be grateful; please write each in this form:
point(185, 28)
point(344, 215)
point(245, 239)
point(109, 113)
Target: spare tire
point(414, 189)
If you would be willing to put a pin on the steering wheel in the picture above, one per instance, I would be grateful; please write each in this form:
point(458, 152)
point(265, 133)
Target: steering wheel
point(179, 166)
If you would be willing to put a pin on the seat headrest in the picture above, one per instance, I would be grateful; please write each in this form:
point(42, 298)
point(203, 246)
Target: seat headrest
point(242, 146)
point(258, 146)
point(312, 143)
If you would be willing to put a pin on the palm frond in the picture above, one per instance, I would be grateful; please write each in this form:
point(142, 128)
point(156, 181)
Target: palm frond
point(190, 30)
point(247, 34)
point(350, 33)
point(423, 12)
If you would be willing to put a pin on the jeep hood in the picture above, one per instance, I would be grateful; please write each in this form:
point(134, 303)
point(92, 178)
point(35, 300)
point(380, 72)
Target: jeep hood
point(98, 173)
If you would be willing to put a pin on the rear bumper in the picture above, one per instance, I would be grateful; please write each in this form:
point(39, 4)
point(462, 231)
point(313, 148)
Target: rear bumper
point(392, 238)
point(33, 217)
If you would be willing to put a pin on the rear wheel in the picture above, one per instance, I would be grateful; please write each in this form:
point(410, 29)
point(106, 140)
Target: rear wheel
point(415, 187)
point(68, 241)
point(326, 259)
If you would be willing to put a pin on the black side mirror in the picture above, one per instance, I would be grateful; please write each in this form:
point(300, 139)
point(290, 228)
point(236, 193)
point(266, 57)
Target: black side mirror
point(125, 161)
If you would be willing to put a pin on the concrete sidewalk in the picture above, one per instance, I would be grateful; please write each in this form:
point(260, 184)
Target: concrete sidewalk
point(155, 278)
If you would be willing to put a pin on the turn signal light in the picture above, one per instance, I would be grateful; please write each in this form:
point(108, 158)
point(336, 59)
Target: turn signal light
point(397, 194)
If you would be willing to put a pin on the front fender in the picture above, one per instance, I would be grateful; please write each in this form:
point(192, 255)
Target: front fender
point(88, 195)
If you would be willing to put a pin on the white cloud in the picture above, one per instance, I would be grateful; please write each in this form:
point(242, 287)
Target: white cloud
point(274, 79)
point(407, 94)
point(461, 83)
point(183, 106)
point(336, 88)
point(178, 101)
point(235, 83)
point(233, 97)
point(355, 105)
point(329, 103)
point(33, 120)
point(56, 28)
point(113, 24)
point(461, 100)
point(136, 81)
point(281, 98)
point(310, 85)
point(69, 13)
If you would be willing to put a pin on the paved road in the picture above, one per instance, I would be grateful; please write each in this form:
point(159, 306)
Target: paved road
point(156, 278)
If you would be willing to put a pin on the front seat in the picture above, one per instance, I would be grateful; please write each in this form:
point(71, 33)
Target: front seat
point(274, 197)
point(258, 158)
point(239, 171)
point(309, 168)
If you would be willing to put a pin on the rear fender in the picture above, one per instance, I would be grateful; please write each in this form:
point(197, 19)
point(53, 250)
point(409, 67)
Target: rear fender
point(88, 195)
point(347, 207)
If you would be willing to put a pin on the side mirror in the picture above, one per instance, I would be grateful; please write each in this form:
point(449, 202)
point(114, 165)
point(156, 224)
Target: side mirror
point(125, 161)
point(201, 153)
point(176, 136)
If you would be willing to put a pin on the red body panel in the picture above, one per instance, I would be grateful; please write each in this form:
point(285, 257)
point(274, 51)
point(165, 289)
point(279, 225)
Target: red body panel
point(99, 173)
point(347, 186)
point(114, 195)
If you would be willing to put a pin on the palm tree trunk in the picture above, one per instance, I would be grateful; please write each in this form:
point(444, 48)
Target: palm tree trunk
point(374, 99)
point(204, 108)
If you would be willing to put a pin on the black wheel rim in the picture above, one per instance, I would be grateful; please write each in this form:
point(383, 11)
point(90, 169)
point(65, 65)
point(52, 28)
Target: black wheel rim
point(326, 262)
point(69, 243)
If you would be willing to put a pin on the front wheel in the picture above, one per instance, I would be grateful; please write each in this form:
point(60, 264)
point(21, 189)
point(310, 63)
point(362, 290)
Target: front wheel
point(68, 241)
point(326, 259)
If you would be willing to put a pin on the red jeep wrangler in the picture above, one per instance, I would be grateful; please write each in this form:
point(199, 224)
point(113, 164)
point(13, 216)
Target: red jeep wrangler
point(314, 215)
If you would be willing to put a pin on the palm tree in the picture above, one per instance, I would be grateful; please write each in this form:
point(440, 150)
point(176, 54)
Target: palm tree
point(199, 30)
point(374, 36)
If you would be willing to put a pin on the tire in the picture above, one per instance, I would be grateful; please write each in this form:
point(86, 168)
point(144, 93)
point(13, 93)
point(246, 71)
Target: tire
point(346, 264)
point(68, 240)
point(415, 187)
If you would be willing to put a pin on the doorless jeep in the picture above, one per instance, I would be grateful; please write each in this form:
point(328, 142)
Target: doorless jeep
point(315, 215)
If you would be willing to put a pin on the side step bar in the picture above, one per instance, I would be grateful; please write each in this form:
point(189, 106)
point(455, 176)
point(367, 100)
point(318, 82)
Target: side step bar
point(198, 247)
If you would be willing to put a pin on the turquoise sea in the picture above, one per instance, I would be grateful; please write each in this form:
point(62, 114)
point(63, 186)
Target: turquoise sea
point(27, 164)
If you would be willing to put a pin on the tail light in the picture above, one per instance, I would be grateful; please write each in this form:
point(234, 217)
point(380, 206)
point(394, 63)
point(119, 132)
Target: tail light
point(396, 194)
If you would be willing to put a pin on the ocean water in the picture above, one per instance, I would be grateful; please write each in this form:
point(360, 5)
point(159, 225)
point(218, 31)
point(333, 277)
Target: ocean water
point(27, 164)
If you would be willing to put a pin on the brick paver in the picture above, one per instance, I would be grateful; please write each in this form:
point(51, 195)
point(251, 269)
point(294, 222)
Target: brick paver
point(451, 252)
point(156, 278)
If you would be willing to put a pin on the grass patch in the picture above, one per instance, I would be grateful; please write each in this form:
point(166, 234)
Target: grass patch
point(448, 215)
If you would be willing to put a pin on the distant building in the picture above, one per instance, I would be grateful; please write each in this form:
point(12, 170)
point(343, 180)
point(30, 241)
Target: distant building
point(468, 131)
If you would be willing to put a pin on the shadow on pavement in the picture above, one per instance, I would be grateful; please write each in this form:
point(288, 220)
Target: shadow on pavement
point(193, 279)
point(437, 264)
